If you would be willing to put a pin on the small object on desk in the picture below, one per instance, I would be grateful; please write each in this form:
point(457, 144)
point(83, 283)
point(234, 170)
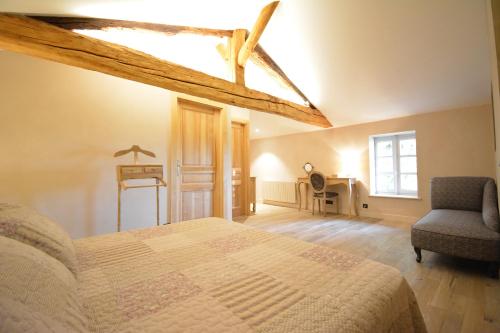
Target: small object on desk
point(139, 171)
point(308, 168)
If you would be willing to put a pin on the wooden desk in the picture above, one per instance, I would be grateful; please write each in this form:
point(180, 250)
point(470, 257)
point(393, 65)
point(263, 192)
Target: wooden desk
point(350, 183)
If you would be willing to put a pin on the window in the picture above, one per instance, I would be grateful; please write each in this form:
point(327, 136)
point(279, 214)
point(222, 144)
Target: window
point(393, 164)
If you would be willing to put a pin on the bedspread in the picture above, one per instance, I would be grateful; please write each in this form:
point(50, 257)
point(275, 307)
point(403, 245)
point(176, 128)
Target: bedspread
point(210, 275)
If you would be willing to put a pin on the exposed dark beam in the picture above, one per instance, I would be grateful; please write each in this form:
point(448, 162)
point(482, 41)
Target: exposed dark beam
point(90, 23)
point(263, 59)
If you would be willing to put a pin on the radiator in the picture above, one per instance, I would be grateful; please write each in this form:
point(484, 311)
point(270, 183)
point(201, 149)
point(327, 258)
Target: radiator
point(279, 192)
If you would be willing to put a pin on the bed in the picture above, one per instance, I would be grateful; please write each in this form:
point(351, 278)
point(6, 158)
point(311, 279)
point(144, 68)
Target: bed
point(209, 275)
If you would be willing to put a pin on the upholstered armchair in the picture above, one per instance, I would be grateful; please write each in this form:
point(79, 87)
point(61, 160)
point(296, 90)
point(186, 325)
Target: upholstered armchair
point(463, 222)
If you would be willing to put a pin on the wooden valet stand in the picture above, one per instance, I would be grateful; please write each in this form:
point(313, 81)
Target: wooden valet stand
point(138, 171)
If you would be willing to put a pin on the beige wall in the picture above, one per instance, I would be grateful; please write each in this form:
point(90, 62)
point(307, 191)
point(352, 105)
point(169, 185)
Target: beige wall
point(449, 143)
point(494, 37)
point(59, 129)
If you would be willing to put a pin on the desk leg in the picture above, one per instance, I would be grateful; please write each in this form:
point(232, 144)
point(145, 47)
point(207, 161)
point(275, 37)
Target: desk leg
point(157, 204)
point(306, 196)
point(352, 200)
point(355, 194)
point(349, 195)
point(299, 195)
point(119, 207)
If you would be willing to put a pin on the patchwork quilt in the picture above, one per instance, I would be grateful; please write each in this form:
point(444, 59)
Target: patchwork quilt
point(211, 275)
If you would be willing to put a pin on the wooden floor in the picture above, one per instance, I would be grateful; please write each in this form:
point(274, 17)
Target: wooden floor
point(455, 295)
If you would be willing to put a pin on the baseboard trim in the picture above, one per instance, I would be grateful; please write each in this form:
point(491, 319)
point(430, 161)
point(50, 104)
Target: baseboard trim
point(391, 217)
point(279, 203)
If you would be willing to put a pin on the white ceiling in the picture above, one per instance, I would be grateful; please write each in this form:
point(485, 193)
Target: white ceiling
point(356, 60)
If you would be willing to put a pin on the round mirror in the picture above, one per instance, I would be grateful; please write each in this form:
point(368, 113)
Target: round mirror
point(308, 167)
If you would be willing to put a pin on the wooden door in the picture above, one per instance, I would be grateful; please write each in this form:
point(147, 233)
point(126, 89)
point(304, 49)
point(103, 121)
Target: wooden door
point(240, 169)
point(198, 178)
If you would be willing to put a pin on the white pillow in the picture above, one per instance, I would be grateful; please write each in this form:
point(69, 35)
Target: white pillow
point(27, 226)
point(38, 293)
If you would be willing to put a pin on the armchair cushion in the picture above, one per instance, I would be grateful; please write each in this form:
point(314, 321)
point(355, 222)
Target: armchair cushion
point(455, 232)
point(490, 206)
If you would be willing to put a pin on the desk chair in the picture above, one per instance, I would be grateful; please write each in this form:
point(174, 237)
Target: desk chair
point(321, 193)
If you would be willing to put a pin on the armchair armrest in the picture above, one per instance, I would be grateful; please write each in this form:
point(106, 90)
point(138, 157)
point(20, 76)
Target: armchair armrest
point(490, 206)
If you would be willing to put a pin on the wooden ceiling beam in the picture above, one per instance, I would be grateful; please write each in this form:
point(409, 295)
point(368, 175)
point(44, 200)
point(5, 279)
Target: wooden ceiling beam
point(258, 56)
point(236, 42)
point(264, 60)
point(91, 23)
point(28, 36)
point(223, 51)
point(257, 30)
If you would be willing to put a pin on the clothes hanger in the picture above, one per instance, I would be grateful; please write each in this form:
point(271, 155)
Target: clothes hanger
point(136, 150)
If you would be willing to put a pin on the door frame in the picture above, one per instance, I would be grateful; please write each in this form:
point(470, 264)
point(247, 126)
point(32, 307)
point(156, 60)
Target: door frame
point(245, 167)
point(174, 181)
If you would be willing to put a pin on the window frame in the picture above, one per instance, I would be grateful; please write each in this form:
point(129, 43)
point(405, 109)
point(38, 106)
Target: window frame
point(396, 160)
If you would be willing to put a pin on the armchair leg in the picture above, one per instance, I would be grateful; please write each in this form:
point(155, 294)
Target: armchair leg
point(418, 251)
point(493, 270)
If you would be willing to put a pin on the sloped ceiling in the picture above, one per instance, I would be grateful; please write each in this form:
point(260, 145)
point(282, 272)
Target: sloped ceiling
point(356, 60)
